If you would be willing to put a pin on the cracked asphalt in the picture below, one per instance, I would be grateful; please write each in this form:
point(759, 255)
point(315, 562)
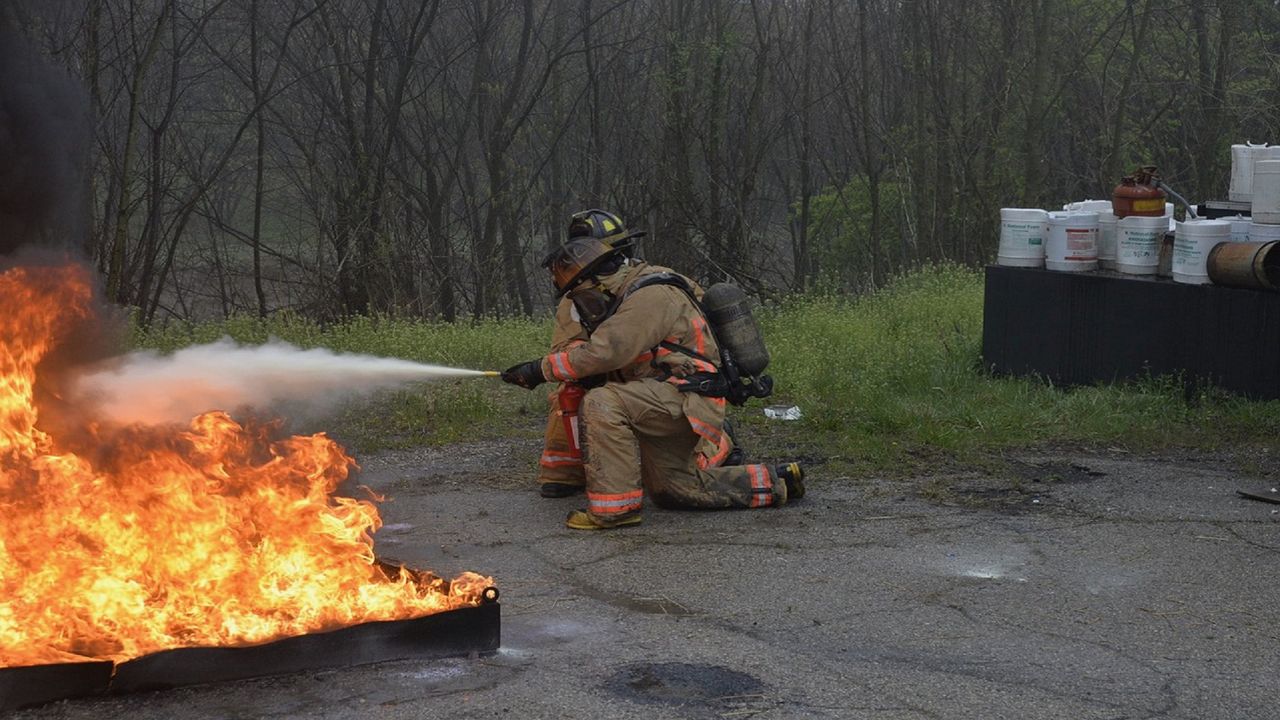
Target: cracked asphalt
point(1078, 586)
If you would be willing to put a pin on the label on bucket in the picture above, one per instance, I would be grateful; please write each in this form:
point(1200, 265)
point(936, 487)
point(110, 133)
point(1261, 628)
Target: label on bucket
point(1081, 244)
point(1029, 233)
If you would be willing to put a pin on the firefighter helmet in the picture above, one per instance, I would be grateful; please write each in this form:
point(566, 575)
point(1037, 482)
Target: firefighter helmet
point(595, 238)
point(577, 259)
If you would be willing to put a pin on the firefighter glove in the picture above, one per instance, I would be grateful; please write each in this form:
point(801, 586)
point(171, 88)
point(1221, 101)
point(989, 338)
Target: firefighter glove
point(527, 375)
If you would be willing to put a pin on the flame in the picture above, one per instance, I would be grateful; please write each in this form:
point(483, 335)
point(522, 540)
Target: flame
point(165, 536)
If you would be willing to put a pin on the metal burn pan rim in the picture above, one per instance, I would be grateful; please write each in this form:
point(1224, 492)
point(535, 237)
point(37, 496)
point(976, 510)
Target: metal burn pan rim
point(474, 630)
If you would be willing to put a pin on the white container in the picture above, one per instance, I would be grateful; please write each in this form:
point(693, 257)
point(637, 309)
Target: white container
point(1072, 244)
point(1098, 206)
point(1260, 233)
point(1243, 159)
point(1191, 246)
point(1022, 235)
point(1138, 244)
point(1266, 192)
point(1107, 240)
point(1239, 228)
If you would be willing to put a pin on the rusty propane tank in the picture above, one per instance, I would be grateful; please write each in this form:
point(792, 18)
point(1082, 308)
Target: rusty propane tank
point(1137, 194)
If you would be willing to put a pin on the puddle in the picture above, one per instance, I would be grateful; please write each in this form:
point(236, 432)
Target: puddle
point(700, 690)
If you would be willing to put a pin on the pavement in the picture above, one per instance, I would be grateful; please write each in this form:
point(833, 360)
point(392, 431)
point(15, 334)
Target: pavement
point(1071, 586)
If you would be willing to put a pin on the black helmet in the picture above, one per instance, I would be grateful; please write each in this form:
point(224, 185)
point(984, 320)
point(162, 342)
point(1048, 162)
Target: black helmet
point(577, 259)
point(595, 237)
point(599, 224)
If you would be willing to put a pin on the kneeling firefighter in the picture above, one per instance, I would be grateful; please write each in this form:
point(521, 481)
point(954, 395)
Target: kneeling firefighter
point(653, 381)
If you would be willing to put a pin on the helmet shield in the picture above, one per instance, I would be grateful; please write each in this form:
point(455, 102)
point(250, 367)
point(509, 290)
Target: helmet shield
point(575, 260)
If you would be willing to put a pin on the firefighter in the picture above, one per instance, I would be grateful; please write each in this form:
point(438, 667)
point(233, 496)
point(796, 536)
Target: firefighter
point(642, 335)
point(560, 472)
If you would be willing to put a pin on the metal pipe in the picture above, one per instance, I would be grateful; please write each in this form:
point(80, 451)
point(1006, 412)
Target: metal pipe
point(1191, 212)
point(1246, 265)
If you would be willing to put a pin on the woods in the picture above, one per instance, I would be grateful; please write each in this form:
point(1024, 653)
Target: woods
point(417, 157)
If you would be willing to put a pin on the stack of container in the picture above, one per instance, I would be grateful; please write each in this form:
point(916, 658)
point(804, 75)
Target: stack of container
point(1265, 198)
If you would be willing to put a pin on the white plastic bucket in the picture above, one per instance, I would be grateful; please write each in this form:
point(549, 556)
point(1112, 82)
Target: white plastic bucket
point(1098, 206)
point(1107, 240)
point(1072, 244)
point(1260, 233)
point(1022, 235)
point(1266, 192)
point(1239, 228)
point(1243, 160)
point(1138, 244)
point(1191, 246)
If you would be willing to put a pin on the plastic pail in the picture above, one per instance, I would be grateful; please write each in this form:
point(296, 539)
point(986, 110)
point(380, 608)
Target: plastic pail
point(1098, 206)
point(1243, 160)
point(1239, 228)
point(1022, 234)
point(1138, 244)
point(1072, 244)
point(1260, 233)
point(1107, 240)
point(1191, 246)
point(1266, 192)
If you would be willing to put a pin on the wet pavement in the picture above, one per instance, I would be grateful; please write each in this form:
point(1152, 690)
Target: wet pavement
point(1107, 586)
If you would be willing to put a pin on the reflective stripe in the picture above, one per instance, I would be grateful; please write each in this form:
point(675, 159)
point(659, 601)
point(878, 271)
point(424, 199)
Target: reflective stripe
point(699, 335)
point(560, 367)
point(643, 357)
point(602, 504)
point(713, 435)
point(761, 486)
point(550, 460)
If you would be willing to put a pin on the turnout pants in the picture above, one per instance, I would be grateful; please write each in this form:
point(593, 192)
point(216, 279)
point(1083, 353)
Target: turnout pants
point(559, 464)
point(638, 438)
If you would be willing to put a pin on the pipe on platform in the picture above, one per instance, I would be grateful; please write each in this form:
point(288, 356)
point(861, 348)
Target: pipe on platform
point(1247, 265)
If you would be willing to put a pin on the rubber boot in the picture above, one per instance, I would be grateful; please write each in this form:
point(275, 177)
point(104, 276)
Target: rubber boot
point(793, 475)
point(583, 520)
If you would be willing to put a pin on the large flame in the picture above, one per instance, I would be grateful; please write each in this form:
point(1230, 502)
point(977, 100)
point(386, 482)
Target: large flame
point(161, 537)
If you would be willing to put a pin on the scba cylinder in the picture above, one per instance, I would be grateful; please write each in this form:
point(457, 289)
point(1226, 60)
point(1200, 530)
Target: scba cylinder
point(729, 312)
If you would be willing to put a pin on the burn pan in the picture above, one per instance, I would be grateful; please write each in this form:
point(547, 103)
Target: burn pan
point(446, 634)
point(37, 684)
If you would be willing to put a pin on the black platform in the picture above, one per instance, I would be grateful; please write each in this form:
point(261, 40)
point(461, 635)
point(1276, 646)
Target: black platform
point(1087, 328)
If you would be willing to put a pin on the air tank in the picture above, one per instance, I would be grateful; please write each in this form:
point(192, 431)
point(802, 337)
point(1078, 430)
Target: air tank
point(729, 312)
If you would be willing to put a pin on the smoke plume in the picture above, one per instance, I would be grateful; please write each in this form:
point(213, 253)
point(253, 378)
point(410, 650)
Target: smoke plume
point(147, 387)
point(44, 146)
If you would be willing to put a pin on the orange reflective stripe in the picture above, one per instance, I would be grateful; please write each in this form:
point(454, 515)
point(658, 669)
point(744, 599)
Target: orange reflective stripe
point(643, 357)
point(699, 335)
point(606, 504)
point(706, 430)
point(761, 486)
point(560, 367)
point(722, 452)
point(561, 460)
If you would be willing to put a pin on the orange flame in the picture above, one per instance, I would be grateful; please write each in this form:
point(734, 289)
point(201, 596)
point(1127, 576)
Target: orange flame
point(163, 537)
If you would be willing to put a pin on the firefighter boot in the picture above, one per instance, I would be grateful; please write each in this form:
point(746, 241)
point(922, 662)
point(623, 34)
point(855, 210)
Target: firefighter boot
point(736, 456)
point(550, 489)
point(793, 475)
point(583, 520)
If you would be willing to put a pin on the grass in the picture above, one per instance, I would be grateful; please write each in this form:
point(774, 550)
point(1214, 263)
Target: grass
point(891, 382)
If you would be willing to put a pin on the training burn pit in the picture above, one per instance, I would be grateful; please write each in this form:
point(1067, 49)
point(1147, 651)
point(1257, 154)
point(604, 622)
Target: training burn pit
point(141, 556)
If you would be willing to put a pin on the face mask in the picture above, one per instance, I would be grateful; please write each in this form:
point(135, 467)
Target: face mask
point(593, 302)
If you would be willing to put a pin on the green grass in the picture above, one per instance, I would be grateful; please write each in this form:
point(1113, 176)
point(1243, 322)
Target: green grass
point(894, 380)
point(891, 382)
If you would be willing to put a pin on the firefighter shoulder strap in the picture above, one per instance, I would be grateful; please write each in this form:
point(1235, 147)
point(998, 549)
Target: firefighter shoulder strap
point(743, 356)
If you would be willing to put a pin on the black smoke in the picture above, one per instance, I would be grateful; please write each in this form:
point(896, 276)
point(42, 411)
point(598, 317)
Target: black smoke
point(44, 143)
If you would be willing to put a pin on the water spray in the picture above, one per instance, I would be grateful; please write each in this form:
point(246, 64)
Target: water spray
point(148, 387)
